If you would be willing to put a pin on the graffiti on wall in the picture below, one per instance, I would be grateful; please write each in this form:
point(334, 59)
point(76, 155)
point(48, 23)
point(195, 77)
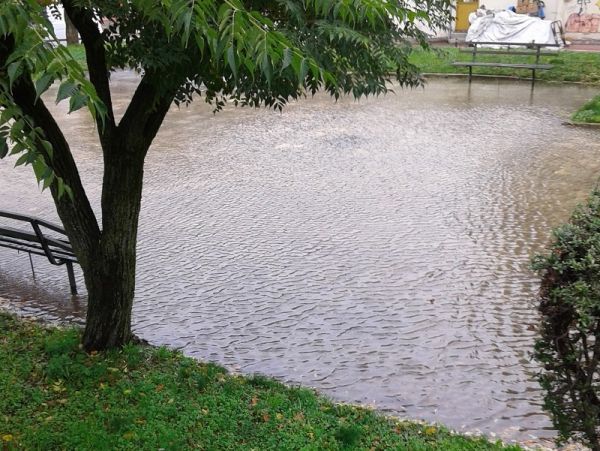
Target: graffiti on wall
point(583, 23)
point(584, 17)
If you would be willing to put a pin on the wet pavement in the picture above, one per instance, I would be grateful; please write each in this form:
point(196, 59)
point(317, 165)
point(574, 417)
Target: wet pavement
point(377, 250)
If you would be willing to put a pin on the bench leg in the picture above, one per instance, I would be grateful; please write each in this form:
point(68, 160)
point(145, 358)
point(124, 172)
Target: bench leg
point(532, 78)
point(32, 270)
point(71, 278)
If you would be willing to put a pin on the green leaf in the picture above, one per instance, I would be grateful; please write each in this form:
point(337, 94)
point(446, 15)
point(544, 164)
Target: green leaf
point(14, 71)
point(66, 89)
point(39, 167)
point(61, 187)
point(303, 70)
point(17, 128)
point(17, 148)
point(69, 191)
point(267, 70)
point(77, 102)
point(42, 84)
point(3, 147)
point(231, 62)
point(48, 178)
point(287, 58)
point(23, 159)
point(47, 147)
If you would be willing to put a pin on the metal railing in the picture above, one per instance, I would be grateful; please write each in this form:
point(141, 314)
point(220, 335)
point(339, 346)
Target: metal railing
point(58, 251)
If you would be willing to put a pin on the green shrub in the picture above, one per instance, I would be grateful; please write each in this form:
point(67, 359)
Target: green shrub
point(569, 342)
point(590, 112)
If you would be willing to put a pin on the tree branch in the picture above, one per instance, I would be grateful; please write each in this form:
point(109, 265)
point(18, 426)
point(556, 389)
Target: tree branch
point(92, 39)
point(145, 113)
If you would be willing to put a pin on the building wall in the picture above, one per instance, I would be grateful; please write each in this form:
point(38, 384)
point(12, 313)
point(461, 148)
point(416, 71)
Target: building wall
point(581, 21)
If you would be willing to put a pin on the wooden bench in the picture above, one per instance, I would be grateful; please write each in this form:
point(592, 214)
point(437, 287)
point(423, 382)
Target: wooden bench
point(56, 248)
point(530, 49)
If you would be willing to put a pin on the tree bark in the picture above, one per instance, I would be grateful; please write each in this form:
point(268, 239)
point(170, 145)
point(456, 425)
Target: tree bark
point(110, 278)
point(71, 32)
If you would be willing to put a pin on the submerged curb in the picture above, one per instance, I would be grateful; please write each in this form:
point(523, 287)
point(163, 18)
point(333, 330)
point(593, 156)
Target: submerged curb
point(582, 124)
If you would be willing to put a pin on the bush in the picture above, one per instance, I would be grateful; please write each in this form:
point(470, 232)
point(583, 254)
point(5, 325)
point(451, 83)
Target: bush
point(569, 342)
point(590, 112)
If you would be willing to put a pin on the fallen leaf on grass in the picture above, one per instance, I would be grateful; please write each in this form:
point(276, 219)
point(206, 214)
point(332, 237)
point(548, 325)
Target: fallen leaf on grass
point(129, 435)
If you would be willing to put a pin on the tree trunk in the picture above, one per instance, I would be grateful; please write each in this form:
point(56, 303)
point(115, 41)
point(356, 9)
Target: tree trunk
point(110, 275)
point(71, 31)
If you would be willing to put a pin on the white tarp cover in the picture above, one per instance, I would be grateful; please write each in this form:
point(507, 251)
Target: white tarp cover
point(509, 27)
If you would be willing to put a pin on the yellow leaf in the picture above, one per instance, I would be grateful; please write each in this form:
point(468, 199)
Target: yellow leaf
point(7, 437)
point(127, 392)
point(129, 435)
point(430, 430)
point(279, 416)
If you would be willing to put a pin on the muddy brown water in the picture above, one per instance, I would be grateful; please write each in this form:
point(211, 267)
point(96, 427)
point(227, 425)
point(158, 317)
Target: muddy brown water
point(377, 250)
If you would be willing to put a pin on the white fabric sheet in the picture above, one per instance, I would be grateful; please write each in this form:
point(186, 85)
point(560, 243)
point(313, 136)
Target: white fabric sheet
point(508, 27)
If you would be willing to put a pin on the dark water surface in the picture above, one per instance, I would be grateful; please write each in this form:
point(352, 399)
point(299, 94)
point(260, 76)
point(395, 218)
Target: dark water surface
point(376, 250)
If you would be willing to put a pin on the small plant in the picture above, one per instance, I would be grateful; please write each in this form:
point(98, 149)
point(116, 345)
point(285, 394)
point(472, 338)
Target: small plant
point(569, 342)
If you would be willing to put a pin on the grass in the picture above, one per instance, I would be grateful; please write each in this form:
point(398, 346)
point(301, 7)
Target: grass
point(55, 396)
point(568, 66)
point(588, 113)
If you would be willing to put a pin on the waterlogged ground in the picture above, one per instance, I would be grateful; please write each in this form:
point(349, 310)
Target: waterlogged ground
point(376, 250)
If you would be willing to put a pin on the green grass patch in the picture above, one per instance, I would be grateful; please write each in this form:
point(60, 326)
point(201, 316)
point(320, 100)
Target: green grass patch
point(55, 396)
point(588, 113)
point(568, 66)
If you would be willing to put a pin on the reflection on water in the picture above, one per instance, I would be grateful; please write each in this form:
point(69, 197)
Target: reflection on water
point(376, 250)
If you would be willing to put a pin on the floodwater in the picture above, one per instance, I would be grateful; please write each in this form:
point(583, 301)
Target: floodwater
point(377, 250)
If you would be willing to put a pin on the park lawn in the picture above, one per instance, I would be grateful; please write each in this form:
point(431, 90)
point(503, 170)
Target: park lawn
point(569, 66)
point(55, 396)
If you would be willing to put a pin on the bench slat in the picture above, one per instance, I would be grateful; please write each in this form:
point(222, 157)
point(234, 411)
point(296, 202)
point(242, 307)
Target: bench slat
point(506, 52)
point(512, 65)
point(508, 44)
